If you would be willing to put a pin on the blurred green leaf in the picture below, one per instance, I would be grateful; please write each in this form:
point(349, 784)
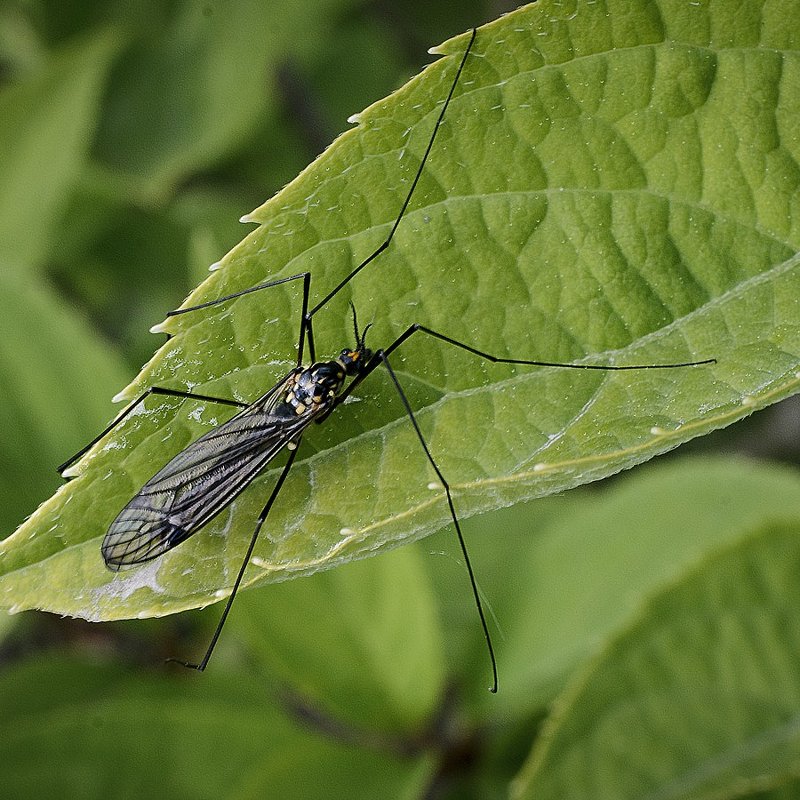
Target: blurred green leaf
point(586, 573)
point(21, 50)
point(6, 624)
point(202, 84)
point(563, 574)
point(786, 788)
point(699, 698)
point(368, 631)
point(46, 128)
point(51, 364)
point(512, 244)
point(212, 220)
point(103, 734)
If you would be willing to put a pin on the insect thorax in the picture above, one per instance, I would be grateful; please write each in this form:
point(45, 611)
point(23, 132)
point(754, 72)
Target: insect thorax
point(315, 387)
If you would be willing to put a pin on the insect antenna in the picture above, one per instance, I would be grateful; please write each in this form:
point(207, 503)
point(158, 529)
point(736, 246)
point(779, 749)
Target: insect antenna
point(355, 324)
point(361, 338)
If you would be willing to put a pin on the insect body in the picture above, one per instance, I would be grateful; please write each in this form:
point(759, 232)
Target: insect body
point(205, 477)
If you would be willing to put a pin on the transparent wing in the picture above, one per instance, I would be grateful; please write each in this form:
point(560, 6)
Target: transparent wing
point(202, 479)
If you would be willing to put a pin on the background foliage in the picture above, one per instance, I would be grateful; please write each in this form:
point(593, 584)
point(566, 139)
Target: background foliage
point(651, 622)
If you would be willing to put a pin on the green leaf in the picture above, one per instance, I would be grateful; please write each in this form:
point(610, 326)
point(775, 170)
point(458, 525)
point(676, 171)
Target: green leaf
point(785, 789)
point(369, 630)
point(698, 698)
point(609, 186)
point(562, 580)
point(202, 85)
point(46, 128)
point(6, 624)
point(49, 386)
point(104, 734)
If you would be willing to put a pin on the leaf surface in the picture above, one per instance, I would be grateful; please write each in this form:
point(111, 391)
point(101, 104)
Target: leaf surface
point(698, 698)
point(615, 185)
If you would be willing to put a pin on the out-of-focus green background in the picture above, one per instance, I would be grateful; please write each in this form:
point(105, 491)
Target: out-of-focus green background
point(133, 135)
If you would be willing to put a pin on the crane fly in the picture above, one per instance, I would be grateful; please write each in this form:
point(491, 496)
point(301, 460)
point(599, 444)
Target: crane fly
point(204, 478)
point(213, 470)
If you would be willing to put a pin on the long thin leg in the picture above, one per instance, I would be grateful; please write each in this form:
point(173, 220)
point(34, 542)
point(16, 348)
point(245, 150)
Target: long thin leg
point(414, 183)
point(306, 329)
point(305, 318)
point(526, 362)
point(381, 356)
point(453, 515)
point(416, 327)
point(200, 666)
point(158, 390)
